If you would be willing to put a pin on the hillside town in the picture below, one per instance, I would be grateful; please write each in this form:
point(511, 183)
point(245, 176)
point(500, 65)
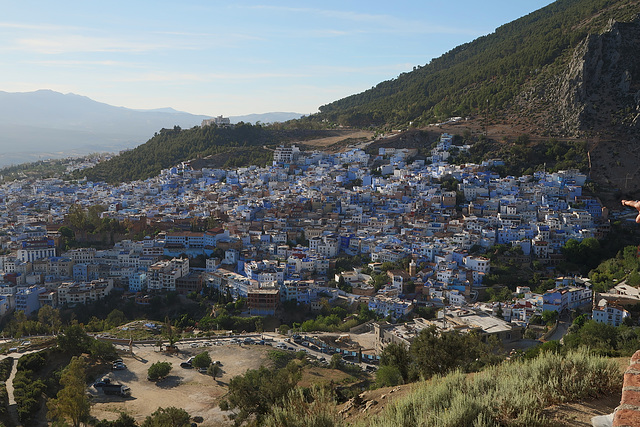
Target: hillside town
point(273, 234)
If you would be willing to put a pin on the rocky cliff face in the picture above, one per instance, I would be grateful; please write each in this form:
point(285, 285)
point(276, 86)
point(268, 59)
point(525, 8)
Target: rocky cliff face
point(598, 91)
point(601, 86)
point(595, 95)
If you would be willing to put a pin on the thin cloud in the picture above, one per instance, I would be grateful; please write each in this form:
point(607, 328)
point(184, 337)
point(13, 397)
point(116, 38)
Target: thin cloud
point(185, 78)
point(75, 63)
point(37, 27)
point(221, 36)
point(83, 44)
point(375, 23)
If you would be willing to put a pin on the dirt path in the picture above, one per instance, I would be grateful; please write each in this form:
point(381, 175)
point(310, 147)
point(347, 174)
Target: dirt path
point(327, 142)
point(13, 409)
point(196, 393)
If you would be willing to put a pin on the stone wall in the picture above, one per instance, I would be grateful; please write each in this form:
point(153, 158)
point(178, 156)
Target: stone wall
point(628, 413)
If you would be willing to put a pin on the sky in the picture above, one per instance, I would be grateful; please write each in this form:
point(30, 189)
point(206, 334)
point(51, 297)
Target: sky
point(235, 57)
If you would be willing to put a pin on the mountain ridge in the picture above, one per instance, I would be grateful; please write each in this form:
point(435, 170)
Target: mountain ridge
point(484, 75)
point(49, 124)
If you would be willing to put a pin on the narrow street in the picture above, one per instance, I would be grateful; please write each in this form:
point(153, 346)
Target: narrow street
point(561, 331)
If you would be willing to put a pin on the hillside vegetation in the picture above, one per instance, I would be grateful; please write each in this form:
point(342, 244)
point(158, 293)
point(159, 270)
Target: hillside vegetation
point(487, 73)
point(511, 394)
point(228, 147)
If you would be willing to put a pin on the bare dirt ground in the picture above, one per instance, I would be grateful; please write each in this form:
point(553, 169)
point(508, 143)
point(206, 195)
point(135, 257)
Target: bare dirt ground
point(323, 143)
point(188, 389)
point(579, 414)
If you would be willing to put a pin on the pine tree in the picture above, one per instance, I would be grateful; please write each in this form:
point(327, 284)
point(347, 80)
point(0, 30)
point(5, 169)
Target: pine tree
point(71, 402)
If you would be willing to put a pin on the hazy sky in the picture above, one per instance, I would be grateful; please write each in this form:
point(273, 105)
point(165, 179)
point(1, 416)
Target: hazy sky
point(232, 57)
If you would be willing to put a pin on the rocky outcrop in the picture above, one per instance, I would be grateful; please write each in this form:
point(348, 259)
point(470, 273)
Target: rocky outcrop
point(599, 89)
point(602, 82)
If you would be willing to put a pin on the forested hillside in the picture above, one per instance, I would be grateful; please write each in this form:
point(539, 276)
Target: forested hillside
point(484, 74)
point(239, 146)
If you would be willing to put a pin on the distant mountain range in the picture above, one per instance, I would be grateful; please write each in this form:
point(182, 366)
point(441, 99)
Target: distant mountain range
point(265, 118)
point(47, 124)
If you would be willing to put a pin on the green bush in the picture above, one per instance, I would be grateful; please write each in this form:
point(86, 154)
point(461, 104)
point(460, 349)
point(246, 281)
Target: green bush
point(304, 408)
point(158, 370)
point(202, 360)
point(388, 376)
point(5, 368)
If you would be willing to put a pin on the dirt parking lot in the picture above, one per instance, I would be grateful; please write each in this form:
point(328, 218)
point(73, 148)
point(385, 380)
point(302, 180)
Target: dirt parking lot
point(196, 393)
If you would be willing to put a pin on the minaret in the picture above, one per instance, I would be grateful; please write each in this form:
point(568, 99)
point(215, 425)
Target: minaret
point(412, 268)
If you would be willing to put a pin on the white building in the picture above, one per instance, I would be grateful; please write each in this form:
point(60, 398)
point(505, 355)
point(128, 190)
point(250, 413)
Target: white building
point(284, 155)
point(218, 121)
point(609, 313)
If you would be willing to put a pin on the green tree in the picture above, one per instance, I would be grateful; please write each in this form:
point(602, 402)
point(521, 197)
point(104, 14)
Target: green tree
point(115, 318)
point(168, 417)
point(202, 360)
point(388, 376)
point(159, 370)
point(258, 390)
point(283, 329)
point(438, 353)
point(124, 420)
point(214, 370)
point(50, 317)
point(68, 238)
point(169, 332)
point(103, 350)
point(336, 361)
point(71, 402)
point(397, 355)
point(74, 340)
point(549, 317)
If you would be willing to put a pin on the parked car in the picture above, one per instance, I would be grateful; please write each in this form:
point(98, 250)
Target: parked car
point(194, 345)
point(101, 383)
point(118, 366)
point(186, 365)
point(248, 340)
point(202, 370)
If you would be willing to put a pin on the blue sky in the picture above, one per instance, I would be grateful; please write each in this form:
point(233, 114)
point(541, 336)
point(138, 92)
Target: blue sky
point(233, 57)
